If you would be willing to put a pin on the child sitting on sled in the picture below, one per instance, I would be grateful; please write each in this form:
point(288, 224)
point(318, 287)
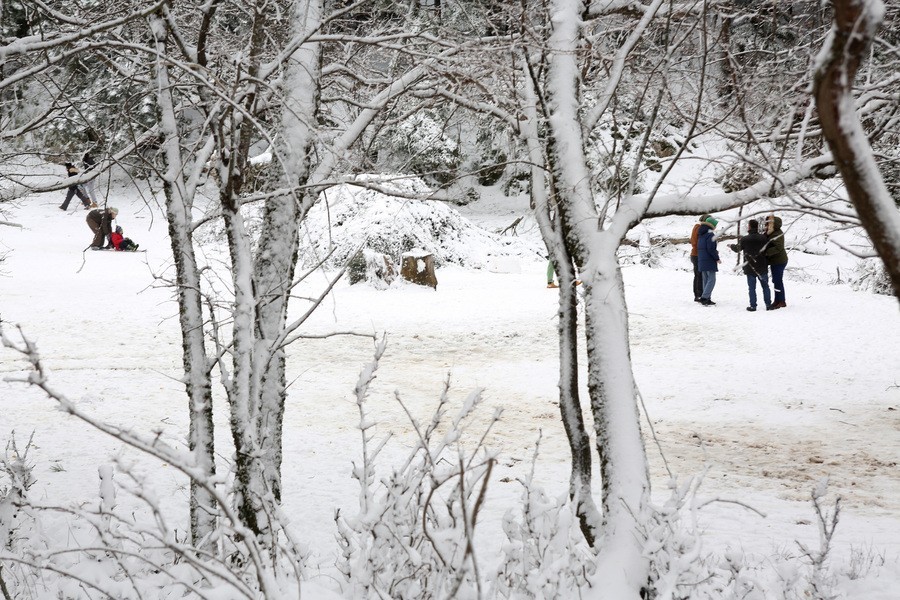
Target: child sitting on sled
point(118, 241)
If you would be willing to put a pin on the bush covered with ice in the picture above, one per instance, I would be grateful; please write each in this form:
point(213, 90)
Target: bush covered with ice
point(396, 216)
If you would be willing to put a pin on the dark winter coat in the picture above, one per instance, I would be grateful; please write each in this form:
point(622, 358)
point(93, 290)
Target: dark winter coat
point(775, 252)
point(100, 222)
point(707, 250)
point(754, 247)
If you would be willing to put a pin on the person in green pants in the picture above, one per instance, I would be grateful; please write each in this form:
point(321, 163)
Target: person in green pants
point(551, 276)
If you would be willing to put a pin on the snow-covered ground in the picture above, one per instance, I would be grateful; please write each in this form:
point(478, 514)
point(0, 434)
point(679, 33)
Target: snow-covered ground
point(768, 402)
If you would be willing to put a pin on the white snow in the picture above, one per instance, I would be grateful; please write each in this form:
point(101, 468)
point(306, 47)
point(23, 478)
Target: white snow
point(770, 402)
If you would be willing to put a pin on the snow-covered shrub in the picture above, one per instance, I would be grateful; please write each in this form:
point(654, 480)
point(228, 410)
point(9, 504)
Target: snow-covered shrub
point(545, 554)
point(612, 153)
point(396, 218)
point(871, 276)
point(412, 537)
point(612, 177)
point(490, 163)
point(123, 544)
point(680, 568)
point(13, 495)
point(519, 182)
point(376, 269)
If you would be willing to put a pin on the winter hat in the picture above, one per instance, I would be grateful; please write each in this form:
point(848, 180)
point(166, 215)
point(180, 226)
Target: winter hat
point(113, 211)
point(712, 222)
point(704, 218)
point(753, 225)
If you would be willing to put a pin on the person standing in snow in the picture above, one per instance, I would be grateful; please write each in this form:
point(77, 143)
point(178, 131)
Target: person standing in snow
point(100, 222)
point(88, 163)
point(777, 258)
point(698, 280)
point(755, 266)
point(74, 190)
point(551, 275)
point(707, 258)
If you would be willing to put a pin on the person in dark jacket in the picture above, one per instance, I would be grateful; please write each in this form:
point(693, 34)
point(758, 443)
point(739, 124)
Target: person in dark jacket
point(707, 258)
point(698, 280)
point(100, 222)
point(74, 190)
point(755, 266)
point(777, 257)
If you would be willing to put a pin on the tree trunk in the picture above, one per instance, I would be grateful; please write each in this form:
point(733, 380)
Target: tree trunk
point(195, 360)
point(855, 24)
point(623, 570)
point(567, 328)
point(262, 290)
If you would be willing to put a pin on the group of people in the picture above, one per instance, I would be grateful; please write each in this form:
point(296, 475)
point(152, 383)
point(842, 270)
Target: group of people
point(762, 250)
point(99, 220)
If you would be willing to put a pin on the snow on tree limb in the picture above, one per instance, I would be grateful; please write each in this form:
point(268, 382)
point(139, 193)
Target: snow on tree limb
point(855, 24)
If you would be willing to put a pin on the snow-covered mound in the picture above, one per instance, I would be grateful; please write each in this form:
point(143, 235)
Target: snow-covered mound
point(351, 217)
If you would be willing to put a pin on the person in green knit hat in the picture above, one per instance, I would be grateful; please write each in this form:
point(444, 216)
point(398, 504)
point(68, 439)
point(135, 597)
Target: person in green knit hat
point(708, 258)
point(698, 280)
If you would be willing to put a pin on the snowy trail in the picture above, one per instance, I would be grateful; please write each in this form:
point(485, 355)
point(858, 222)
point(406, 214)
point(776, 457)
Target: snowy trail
point(771, 401)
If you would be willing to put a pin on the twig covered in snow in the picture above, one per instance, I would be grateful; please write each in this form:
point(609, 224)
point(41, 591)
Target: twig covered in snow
point(413, 536)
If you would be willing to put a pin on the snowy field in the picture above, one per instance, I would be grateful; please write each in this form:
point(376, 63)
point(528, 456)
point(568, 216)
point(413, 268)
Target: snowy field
point(766, 403)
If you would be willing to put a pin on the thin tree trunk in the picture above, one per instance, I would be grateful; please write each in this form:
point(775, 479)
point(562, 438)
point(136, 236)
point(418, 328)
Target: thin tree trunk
point(855, 24)
point(567, 327)
point(196, 362)
point(622, 567)
point(278, 248)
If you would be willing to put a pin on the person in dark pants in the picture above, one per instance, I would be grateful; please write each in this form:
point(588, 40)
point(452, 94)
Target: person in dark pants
point(74, 190)
point(698, 280)
point(778, 259)
point(755, 266)
point(100, 222)
point(707, 259)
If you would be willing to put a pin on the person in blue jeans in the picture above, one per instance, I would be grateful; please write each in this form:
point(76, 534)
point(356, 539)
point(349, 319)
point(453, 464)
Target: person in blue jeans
point(778, 259)
point(755, 266)
point(707, 259)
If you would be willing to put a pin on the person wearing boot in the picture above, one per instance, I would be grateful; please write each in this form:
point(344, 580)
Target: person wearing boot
point(777, 257)
point(698, 279)
point(707, 258)
point(100, 222)
point(755, 265)
point(74, 190)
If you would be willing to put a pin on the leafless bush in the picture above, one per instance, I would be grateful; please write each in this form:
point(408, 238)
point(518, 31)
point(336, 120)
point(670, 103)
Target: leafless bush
point(414, 534)
point(545, 555)
point(127, 546)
